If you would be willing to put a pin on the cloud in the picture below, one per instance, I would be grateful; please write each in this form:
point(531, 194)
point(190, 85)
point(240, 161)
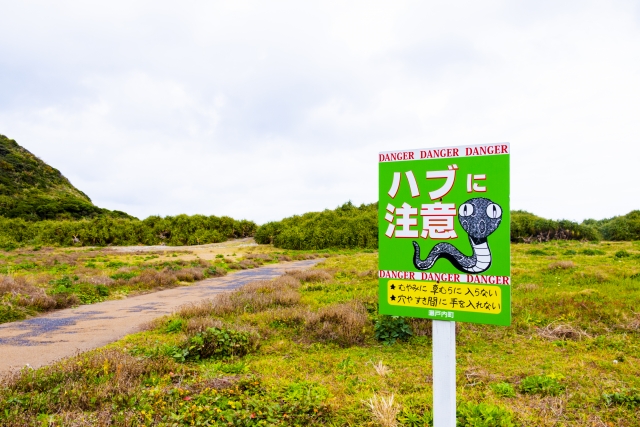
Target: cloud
point(262, 110)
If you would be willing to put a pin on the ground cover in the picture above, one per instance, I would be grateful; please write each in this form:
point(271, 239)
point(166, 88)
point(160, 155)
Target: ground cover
point(310, 349)
point(38, 280)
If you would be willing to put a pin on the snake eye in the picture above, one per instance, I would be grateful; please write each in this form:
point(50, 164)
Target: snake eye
point(494, 211)
point(466, 209)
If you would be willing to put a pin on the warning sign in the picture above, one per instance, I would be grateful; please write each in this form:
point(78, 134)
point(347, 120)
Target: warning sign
point(444, 238)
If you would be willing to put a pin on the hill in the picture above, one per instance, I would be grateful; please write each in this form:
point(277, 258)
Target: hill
point(32, 190)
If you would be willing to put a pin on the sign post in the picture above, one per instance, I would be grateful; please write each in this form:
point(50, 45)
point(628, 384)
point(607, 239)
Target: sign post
point(444, 245)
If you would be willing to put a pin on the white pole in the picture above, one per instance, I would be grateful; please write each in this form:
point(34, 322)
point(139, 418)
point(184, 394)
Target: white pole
point(444, 373)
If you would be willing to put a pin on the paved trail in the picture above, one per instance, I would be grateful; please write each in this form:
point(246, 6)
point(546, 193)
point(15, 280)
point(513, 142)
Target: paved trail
point(41, 340)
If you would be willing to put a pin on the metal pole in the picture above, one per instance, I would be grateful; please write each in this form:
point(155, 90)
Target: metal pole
point(444, 373)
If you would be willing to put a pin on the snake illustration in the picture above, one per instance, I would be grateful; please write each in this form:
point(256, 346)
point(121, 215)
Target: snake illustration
point(479, 217)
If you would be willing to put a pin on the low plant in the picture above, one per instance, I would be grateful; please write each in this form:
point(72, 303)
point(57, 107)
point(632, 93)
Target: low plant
point(503, 389)
point(389, 329)
point(384, 410)
point(412, 419)
point(545, 385)
point(592, 252)
point(538, 252)
point(220, 343)
point(483, 415)
point(622, 254)
point(344, 324)
point(627, 398)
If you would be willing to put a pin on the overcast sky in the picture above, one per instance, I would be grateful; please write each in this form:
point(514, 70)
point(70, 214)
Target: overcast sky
point(261, 110)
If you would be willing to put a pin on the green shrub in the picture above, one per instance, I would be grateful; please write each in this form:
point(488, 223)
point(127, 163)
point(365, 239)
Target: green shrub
point(102, 231)
point(483, 415)
point(9, 313)
point(219, 343)
point(174, 325)
point(123, 276)
point(592, 252)
point(102, 290)
point(546, 385)
point(527, 227)
point(347, 226)
point(411, 419)
point(626, 227)
point(389, 329)
point(622, 254)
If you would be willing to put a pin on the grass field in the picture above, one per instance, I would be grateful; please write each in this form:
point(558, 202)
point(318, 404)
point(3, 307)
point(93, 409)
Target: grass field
point(37, 280)
point(310, 349)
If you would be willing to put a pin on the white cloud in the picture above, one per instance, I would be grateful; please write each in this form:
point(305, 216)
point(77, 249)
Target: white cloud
point(260, 110)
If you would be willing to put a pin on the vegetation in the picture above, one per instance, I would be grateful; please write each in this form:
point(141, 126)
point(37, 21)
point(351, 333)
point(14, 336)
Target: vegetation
point(41, 280)
point(625, 227)
point(39, 206)
point(527, 227)
point(348, 226)
point(106, 231)
point(32, 190)
point(304, 350)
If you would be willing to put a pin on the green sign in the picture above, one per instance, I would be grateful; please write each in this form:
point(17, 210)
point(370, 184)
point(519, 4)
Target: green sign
point(444, 234)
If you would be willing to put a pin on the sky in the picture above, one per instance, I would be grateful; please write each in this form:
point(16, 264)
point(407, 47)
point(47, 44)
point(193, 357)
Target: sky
point(262, 110)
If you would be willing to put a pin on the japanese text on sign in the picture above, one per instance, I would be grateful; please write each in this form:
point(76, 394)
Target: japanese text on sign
point(447, 296)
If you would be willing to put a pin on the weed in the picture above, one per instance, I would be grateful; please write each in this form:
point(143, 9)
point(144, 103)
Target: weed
point(537, 252)
point(344, 324)
point(389, 329)
point(411, 419)
point(562, 265)
point(123, 276)
point(561, 332)
point(174, 325)
point(215, 272)
point(503, 389)
point(627, 398)
point(381, 369)
point(102, 290)
point(592, 252)
point(545, 385)
point(196, 325)
point(190, 274)
point(310, 276)
point(236, 368)
point(220, 343)
point(483, 415)
point(306, 391)
point(622, 254)
point(384, 410)
point(258, 296)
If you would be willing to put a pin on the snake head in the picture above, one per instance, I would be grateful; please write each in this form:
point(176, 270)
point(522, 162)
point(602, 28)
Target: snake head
point(479, 217)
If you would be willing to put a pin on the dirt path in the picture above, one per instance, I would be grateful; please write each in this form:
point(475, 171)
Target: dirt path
point(41, 340)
